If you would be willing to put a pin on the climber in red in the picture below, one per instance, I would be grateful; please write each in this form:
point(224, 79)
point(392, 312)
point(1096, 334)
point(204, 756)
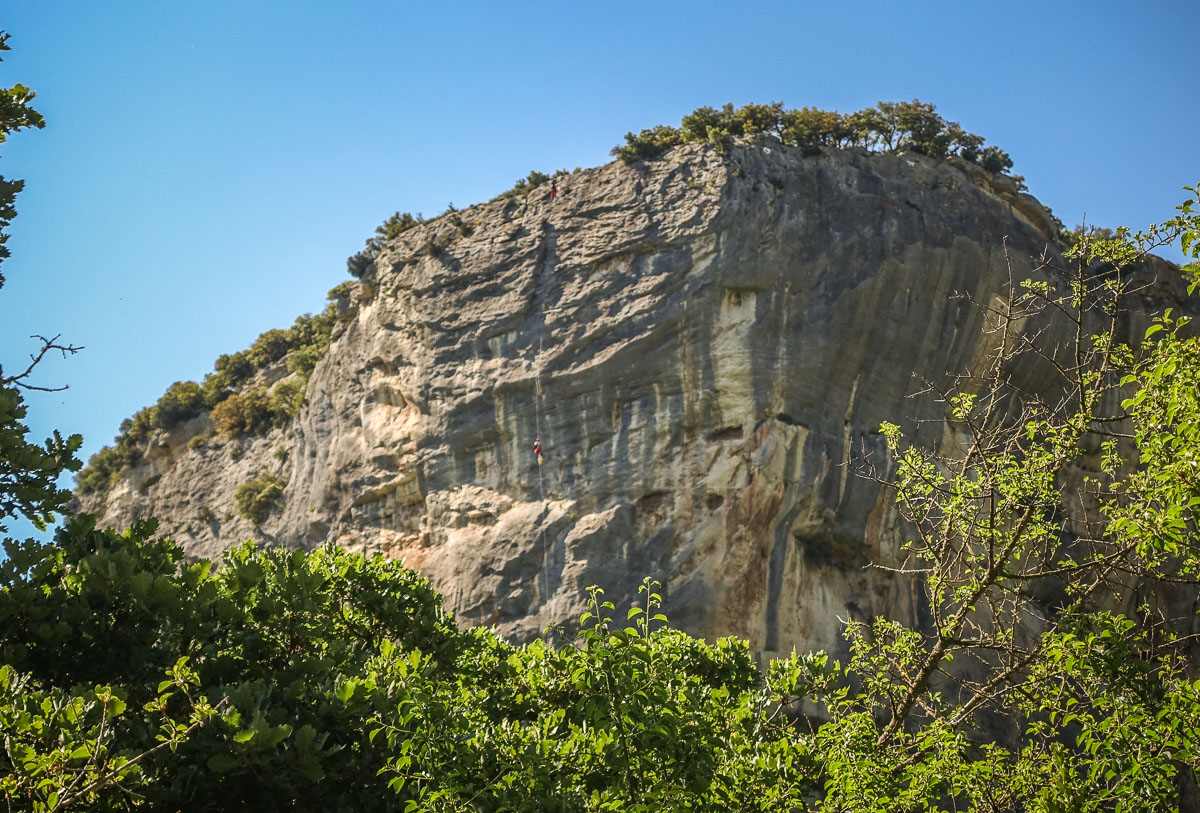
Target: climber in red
point(537, 450)
point(553, 189)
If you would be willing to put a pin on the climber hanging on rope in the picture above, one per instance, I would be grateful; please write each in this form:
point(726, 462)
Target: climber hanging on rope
point(553, 189)
point(537, 450)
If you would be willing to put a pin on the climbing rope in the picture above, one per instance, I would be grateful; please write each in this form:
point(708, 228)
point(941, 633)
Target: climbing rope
point(537, 416)
point(543, 581)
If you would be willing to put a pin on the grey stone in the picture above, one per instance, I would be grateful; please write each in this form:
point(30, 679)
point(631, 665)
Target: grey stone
point(700, 343)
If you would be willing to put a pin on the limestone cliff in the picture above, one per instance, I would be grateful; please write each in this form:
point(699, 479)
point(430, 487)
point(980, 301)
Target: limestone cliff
point(698, 342)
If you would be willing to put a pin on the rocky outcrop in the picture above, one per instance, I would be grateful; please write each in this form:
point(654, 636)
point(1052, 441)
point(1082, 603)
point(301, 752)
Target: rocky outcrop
point(700, 343)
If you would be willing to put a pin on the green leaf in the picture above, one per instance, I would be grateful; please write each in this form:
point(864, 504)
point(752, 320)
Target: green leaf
point(221, 763)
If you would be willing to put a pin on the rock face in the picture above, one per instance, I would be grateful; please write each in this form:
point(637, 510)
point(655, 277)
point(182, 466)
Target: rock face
point(699, 343)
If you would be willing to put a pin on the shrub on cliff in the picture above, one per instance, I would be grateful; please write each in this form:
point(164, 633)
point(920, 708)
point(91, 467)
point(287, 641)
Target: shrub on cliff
point(359, 264)
point(255, 498)
point(286, 399)
point(230, 371)
point(649, 143)
point(696, 125)
point(182, 401)
point(994, 159)
point(760, 118)
point(810, 128)
point(106, 465)
point(243, 413)
point(526, 185)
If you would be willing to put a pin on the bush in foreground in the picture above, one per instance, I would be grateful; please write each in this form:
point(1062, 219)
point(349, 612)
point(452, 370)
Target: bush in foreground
point(329, 680)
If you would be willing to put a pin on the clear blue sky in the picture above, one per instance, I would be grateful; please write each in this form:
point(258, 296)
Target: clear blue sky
point(208, 166)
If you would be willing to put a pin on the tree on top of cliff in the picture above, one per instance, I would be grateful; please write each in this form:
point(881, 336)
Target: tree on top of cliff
point(889, 126)
point(358, 265)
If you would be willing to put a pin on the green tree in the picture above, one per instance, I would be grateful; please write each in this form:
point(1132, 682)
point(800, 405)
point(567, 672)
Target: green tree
point(760, 118)
point(255, 498)
point(649, 143)
point(182, 401)
point(29, 472)
point(244, 413)
point(16, 114)
point(695, 125)
point(994, 159)
point(1059, 633)
point(922, 129)
point(963, 144)
point(811, 129)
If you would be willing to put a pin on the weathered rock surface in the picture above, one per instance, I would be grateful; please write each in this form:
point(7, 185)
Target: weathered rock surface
point(698, 342)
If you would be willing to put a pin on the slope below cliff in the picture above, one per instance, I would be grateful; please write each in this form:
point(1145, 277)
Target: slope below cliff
point(698, 343)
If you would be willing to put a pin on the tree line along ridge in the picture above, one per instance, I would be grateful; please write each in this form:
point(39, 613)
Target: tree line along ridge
point(912, 126)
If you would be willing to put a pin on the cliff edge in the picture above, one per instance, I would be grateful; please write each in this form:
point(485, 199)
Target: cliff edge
point(699, 343)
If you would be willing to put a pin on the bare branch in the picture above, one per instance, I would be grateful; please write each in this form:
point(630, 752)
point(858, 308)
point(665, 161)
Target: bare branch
point(20, 380)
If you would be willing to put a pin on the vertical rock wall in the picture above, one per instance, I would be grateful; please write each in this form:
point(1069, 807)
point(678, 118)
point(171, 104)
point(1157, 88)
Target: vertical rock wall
point(700, 343)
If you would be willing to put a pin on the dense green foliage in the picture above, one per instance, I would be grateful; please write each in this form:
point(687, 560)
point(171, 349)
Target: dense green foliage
point(182, 401)
point(301, 345)
point(243, 413)
point(333, 681)
point(889, 126)
point(278, 652)
point(29, 471)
